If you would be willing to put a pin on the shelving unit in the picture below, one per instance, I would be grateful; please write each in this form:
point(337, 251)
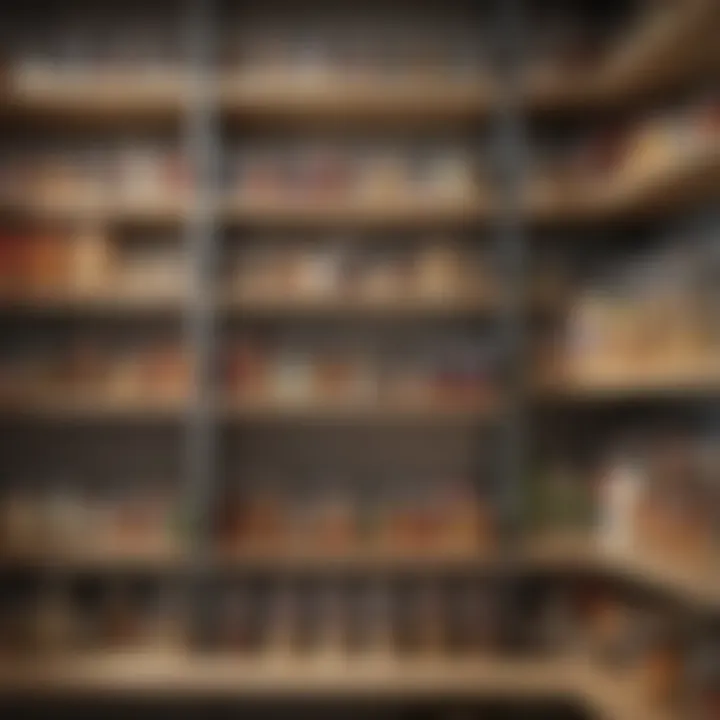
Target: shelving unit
point(203, 106)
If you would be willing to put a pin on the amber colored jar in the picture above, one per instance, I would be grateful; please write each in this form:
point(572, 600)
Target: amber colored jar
point(710, 703)
point(10, 262)
point(335, 378)
point(431, 630)
point(438, 272)
point(87, 367)
point(47, 262)
point(123, 621)
point(230, 522)
point(90, 261)
point(236, 629)
point(662, 670)
point(54, 624)
point(263, 521)
point(247, 370)
point(167, 372)
point(336, 529)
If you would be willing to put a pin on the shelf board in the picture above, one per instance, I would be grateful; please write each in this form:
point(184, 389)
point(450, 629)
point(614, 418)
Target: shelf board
point(697, 582)
point(663, 49)
point(75, 408)
point(268, 410)
point(108, 301)
point(692, 178)
point(660, 53)
point(415, 101)
point(119, 303)
point(98, 97)
point(617, 389)
point(332, 306)
point(327, 675)
point(277, 675)
point(98, 559)
point(341, 559)
point(171, 210)
point(411, 212)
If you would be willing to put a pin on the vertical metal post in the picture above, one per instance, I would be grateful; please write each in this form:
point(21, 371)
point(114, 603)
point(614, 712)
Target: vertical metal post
point(200, 138)
point(511, 159)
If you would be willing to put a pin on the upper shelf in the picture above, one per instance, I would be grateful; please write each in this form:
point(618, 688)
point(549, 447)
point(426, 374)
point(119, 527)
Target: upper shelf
point(672, 46)
point(666, 49)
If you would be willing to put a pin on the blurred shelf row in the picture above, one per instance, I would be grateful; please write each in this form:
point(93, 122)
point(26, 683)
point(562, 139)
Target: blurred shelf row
point(573, 680)
point(656, 52)
point(690, 178)
point(156, 407)
point(693, 581)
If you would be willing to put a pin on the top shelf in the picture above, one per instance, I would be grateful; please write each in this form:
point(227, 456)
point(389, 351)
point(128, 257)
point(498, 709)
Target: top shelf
point(667, 49)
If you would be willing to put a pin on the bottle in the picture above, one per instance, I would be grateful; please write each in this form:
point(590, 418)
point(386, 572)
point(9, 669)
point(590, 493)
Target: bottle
point(282, 626)
point(377, 618)
point(621, 491)
point(54, 621)
point(332, 622)
point(91, 261)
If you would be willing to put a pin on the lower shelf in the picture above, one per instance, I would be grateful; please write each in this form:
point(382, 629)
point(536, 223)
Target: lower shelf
point(327, 675)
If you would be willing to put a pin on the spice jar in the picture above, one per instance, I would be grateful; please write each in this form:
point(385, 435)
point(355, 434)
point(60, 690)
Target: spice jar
point(54, 626)
point(333, 621)
point(91, 262)
point(334, 523)
point(47, 262)
point(236, 621)
point(166, 620)
point(12, 270)
point(248, 370)
point(264, 523)
point(122, 620)
point(431, 631)
point(621, 490)
point(22, 522)
point(471, 617)
point(283, 620)
point(661, 666)
point(376, 618)
point(166, 373)
point(438, 271)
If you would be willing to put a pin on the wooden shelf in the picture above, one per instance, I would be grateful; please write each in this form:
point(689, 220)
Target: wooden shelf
point(106, 302)
point(101, 97)
point(664, 49)
point(376, 560)
point(268, 410)
point(327, 675)
point(98, 559)
point(660, 53)
point(329, 306)
point(414, 101)
point(171, 210)
point(702, 384)
point(696, 582)
point(276, 676)
point(74, 408)
point(692, 178)
point(411, 212)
